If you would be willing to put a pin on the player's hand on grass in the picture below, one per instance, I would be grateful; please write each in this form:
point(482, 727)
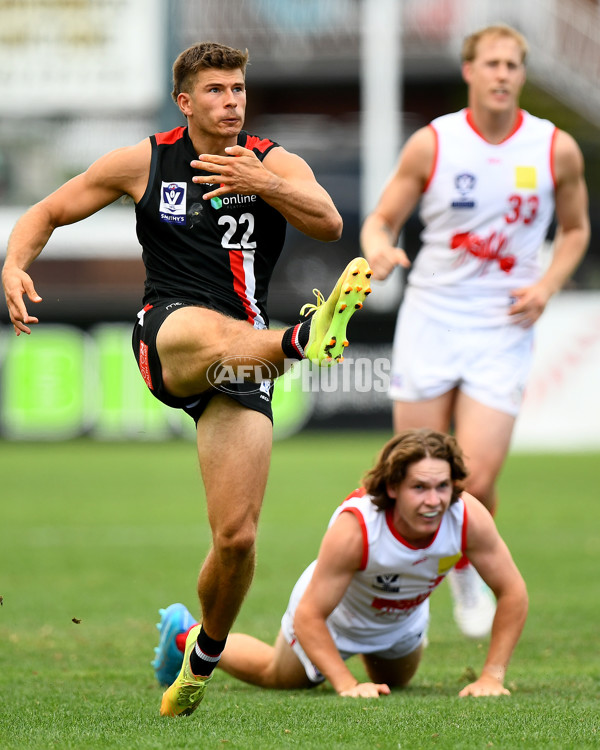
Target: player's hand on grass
point(366, 690)
point(17, 283)
point(486, 685)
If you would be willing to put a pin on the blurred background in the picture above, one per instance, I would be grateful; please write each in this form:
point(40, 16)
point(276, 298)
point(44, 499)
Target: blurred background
point(342, 83)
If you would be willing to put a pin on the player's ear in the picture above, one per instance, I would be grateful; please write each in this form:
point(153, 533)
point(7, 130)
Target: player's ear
point(183, 102)
point(466, 70)
point(391, 490)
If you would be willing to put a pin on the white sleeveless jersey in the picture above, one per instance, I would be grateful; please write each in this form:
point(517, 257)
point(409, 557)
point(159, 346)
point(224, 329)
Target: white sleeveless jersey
point(395, 578)
point(486, 211)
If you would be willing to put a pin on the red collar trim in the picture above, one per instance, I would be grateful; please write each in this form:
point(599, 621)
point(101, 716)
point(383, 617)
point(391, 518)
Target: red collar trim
point(518, 122)
point(389, 518)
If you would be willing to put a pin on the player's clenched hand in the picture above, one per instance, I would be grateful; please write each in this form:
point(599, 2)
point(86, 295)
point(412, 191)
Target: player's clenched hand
point(528, 304)
point(486, 685)
point(245, 174)
point(385, 259)
point(366, 690)
point(17, 283)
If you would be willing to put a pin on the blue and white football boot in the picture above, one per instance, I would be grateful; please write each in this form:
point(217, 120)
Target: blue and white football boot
point(175, 619)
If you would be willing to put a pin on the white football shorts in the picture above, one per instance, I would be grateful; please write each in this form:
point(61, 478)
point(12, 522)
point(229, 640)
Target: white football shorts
point(405, 638)
point(490, 365)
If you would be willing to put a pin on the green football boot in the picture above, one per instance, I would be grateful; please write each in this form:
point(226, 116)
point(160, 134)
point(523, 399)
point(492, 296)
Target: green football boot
point(327, 338)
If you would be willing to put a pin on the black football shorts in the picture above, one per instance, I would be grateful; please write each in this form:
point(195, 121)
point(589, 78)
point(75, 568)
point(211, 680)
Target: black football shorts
point(255, 396)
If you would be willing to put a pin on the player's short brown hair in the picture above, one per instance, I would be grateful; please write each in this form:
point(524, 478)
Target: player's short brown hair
point(408, 448)
point(203, 56)
point(469, 47)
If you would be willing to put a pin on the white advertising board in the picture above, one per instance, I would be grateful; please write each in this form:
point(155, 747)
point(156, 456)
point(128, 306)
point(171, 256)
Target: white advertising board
point(561, 409)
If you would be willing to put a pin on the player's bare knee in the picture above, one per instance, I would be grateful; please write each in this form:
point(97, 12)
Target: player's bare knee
point(268, 678)
point(401, 682)
point(235, 543)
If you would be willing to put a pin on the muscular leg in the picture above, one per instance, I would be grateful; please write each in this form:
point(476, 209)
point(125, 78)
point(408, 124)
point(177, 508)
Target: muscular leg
point(484, 435)
point(392, 672)
point(435, 413)
point(192, 339)
point(257, 663)
point(482, 432)
point(234, 450)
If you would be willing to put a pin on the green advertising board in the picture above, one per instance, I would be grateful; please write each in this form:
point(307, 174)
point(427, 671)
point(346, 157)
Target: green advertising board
point(62, 382)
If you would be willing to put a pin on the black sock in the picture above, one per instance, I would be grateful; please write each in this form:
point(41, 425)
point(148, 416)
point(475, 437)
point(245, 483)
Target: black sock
point(295, 340)
point(206, 654)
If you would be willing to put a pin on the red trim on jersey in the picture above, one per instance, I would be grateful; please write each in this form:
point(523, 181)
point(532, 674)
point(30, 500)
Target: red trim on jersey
point(363, 527)
point(464, 560)
point(435, 157)
point(144, 366)
point(518, 122)
point(358, 492)
point(170, 136)
point(254, 142)
point(463, 541)
point(389, 517)
point(552, 164)
point(236, 264)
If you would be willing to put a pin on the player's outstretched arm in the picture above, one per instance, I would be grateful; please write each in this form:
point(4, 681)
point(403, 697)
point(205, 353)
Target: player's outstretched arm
point(489, 554)
point(382, 227)
point(119, 172)
point(339, 558)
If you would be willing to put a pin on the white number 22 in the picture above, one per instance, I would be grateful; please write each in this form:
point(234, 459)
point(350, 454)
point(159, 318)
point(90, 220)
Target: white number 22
point(232, 226)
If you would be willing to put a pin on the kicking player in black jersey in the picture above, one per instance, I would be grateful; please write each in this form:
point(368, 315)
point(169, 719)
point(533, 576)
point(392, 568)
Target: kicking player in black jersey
point(212, 204)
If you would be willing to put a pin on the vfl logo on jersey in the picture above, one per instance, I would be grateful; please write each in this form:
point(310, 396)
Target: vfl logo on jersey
point(388, 583)
point(172, 207)
point(464, 183)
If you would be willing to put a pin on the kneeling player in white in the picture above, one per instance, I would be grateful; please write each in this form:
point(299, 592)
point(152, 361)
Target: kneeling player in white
point(388, 546)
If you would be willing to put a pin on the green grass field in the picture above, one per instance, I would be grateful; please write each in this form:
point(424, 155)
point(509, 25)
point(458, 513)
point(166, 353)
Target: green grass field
point(105, 534)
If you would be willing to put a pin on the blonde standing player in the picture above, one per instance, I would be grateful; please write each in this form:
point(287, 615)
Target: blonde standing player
point(489, 179)
point(387, 548)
